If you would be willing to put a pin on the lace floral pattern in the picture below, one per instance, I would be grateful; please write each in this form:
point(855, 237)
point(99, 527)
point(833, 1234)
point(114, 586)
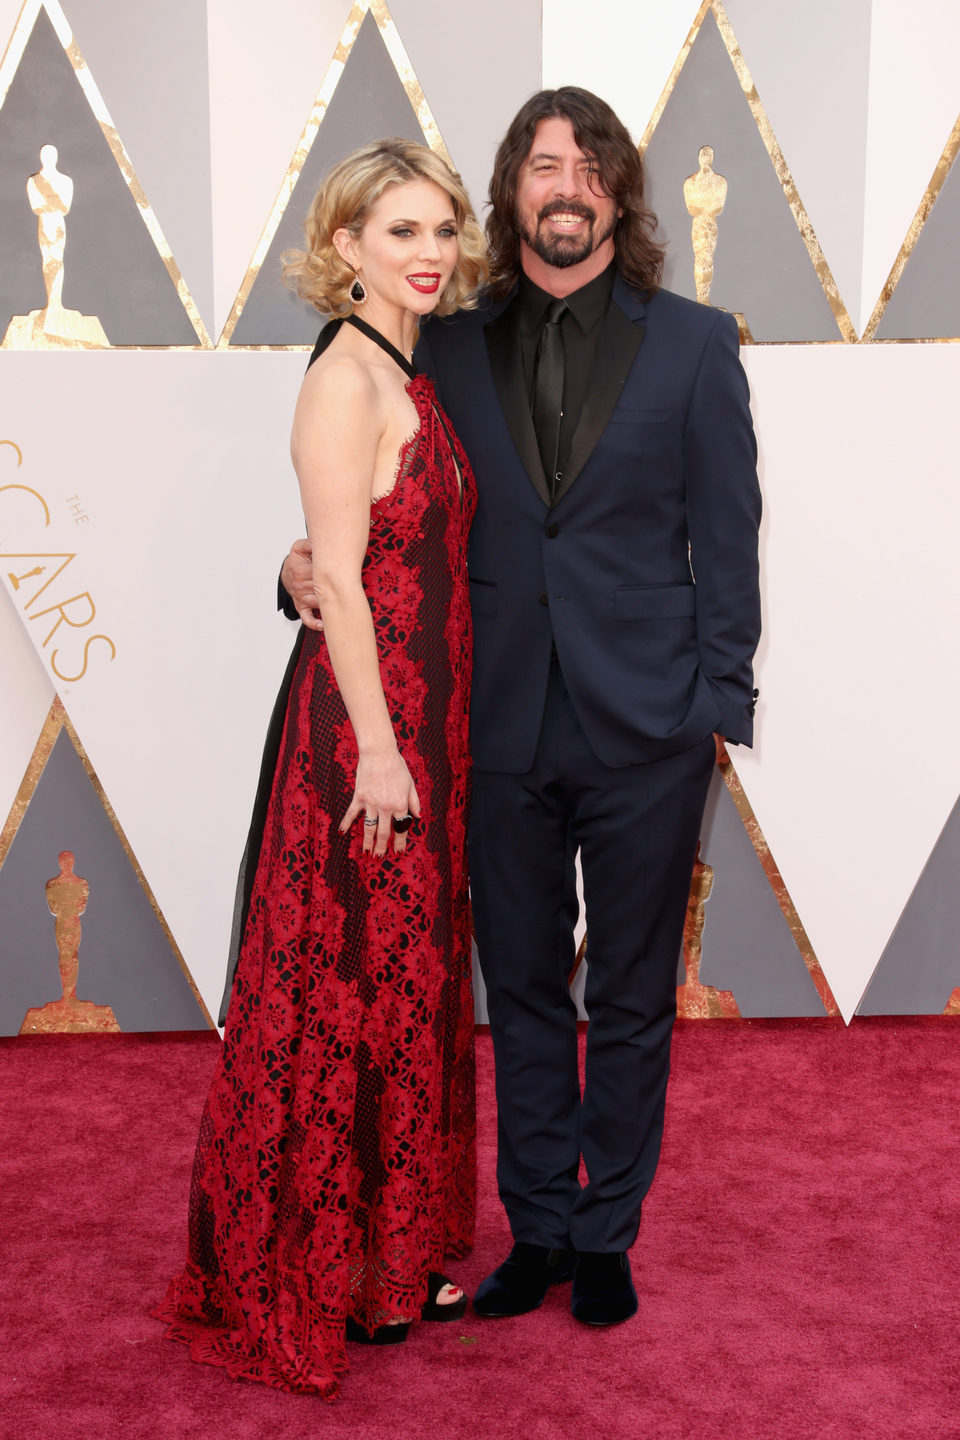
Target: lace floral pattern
point(335, 1165)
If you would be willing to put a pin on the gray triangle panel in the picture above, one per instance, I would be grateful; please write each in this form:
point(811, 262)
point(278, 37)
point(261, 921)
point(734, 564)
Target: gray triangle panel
point(369, 103)
point(125, 958)
point(926, 303)
point(761, 265)
point(112, 268)
point(747, 945)
point(920, 966)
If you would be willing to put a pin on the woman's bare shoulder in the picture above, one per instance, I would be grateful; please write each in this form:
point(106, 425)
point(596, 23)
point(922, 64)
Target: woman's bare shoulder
point(340, 378)
point(339, 396)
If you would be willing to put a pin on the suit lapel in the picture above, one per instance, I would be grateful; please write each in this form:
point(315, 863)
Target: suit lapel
point(503, 348)
point(621, 336)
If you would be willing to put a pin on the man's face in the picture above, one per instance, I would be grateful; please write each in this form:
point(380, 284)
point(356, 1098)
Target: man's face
point(563, 212)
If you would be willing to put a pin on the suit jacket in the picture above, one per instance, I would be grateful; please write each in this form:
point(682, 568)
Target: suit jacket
point(643, 571)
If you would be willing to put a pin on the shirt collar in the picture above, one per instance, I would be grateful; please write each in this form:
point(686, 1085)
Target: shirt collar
point(587, 305)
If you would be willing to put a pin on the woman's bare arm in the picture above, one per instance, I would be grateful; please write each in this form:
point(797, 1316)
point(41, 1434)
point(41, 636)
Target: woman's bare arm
point(338, 427)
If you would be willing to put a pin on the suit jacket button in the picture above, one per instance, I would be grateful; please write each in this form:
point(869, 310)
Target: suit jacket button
point(543, 599)
point(552, 532)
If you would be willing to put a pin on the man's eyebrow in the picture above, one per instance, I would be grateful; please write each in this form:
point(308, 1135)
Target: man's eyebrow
point(546, 155)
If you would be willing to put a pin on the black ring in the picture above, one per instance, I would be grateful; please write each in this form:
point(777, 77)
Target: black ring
point(402, 825)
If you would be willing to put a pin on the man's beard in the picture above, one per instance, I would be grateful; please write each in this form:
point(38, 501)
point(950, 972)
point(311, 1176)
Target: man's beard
point(561, 251)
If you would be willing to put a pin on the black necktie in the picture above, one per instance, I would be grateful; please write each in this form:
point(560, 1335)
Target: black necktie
point(548, 390)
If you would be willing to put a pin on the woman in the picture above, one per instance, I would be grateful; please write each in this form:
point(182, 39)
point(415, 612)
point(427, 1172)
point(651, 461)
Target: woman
point(335, 1165)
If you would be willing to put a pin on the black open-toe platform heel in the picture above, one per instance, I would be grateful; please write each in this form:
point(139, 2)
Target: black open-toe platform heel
point(383, 1335)
point(432, 1310)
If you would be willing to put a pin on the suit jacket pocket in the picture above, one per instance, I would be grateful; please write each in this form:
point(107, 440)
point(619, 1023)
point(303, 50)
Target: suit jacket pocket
point(654, 602)
point(624, 415)
point(483, 597)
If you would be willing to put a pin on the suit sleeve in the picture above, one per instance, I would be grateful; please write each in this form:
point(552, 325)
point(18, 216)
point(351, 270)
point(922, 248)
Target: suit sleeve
point(424, 359)
point(284, 602)
point(723, 520)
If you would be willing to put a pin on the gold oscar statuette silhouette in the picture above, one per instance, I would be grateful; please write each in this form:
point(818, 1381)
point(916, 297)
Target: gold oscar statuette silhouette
point(705, 193)
point(50, 194)
point(694, 1000)
point(67, 895)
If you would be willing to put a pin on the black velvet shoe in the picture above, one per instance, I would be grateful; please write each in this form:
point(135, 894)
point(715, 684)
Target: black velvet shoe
point(603, 1292)
point(522, 1281)
point(433, 1310)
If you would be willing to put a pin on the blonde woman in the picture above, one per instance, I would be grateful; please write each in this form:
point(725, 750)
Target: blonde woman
point(336, 1166)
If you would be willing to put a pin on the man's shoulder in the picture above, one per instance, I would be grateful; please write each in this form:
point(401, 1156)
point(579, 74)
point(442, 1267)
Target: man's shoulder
point(441, 328)
point(667, 307)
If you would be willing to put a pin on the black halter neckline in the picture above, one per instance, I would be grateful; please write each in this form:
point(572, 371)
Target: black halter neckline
point(332, 327)
point(405, 365)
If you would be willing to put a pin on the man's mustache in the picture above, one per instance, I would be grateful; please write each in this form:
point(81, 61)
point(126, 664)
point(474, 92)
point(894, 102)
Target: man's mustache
point(558, 207)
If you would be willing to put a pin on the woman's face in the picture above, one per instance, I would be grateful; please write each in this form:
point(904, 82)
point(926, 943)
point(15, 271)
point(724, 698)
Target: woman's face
point(407, 250)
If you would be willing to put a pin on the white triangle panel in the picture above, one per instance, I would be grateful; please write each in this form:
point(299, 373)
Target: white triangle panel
point(184, 473)
point(914, 100)
point(857, 762)
point(266, 66)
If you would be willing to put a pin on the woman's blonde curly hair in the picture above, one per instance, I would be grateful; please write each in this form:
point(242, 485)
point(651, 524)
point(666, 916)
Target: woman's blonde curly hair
point(344, 201)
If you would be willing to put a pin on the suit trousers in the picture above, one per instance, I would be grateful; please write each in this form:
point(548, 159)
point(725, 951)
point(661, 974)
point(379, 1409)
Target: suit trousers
point(636, 829)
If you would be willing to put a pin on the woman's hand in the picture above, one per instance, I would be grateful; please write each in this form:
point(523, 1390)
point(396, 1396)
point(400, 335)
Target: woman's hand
point(384, 791)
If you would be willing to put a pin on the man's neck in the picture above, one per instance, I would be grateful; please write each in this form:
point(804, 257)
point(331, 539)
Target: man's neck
point(563, 281)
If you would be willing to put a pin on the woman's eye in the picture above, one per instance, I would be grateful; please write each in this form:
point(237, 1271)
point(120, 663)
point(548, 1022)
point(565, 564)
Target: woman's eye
point(402, 232)
point(447, 232)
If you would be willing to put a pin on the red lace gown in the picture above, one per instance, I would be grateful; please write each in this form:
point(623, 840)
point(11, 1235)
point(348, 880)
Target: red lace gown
point(335, 1165)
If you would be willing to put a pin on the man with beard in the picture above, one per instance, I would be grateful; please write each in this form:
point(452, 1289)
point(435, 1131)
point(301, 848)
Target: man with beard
point(614, 587)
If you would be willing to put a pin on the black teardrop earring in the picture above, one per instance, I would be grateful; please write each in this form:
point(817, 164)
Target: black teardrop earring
point(357, 292)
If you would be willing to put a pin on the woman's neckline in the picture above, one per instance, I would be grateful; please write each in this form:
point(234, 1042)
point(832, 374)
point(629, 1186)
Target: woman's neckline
point(405, 365)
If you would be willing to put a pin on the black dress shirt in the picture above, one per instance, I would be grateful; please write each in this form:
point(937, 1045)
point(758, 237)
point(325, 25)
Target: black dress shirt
point(581, 333)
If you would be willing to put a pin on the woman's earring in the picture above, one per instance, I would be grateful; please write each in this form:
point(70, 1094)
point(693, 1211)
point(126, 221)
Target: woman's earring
point(357, 292)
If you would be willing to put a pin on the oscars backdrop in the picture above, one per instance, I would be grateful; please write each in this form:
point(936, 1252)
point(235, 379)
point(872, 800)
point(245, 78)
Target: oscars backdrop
point(154, 163)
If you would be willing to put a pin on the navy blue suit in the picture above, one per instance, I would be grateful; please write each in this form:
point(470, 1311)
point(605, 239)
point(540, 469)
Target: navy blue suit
point(614, 630)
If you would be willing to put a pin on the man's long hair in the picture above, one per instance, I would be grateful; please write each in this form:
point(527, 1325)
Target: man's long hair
point(600, 135)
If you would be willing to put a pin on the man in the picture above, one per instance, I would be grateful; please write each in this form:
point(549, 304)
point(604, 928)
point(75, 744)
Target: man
point(614, 586)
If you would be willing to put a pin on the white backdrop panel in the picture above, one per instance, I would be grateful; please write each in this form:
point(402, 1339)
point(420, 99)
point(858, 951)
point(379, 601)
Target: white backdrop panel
point(266, 66)
point(819, 48)
point(181, 462)
point(622, 51)
point(626, 52)
point(914, 102)
point(856, 766)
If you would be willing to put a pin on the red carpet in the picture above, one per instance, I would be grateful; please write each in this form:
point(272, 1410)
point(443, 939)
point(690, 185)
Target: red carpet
point(797, 1265)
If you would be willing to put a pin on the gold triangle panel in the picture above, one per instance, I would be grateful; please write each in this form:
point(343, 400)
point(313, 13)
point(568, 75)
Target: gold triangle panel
point(370, 89)
point(919, 970)
point(739, 235)
point(777, 884)
point(921, 298)
point(754, 923)
point(84, 944)
point(85, 262)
